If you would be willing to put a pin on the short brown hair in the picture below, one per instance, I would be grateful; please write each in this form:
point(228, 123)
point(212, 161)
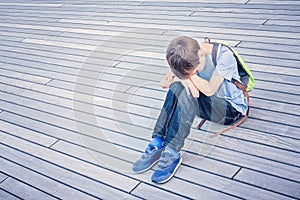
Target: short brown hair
point(182, 56)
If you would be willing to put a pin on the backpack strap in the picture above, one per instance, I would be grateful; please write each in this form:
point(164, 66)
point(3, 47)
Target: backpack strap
point(215, 51)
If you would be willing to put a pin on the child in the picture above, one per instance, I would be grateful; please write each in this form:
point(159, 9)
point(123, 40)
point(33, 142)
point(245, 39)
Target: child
point(196, 87)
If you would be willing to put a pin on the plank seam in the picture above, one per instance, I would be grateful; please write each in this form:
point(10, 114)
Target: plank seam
point(193, 153)
point(259, 156)
point(245, 167)
point(5, 178)
point(267, 189)
point(49, 82)
point(68, 98)
point(54, 143)
point(11, 193)
point(232, 178)
point(11, 177)
point(208, 187)
point(130, 192)
point(108, 107)
point(64, 168)
point(267, 20)
point(53, 179)
point(135, 56)
point(247, 2)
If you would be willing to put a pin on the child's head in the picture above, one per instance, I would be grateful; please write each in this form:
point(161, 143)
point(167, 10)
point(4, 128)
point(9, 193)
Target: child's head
point(182, 56)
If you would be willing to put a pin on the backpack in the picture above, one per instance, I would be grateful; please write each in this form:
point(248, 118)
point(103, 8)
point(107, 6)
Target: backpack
point(244, 72)
point(247, 80)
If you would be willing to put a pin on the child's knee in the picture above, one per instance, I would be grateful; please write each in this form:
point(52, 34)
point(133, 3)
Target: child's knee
point(176, 87)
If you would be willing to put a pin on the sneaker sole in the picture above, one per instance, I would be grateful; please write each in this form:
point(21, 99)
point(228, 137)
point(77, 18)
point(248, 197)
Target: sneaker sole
point(164, 181)
point(144, 170)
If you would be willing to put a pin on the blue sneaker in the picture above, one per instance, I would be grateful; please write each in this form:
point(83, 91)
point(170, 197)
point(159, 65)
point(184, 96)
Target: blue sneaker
point(167, 166)
point(149, 158)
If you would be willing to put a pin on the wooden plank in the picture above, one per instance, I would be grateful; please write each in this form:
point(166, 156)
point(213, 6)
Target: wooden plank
point(221, 5)
point(290, 23)
point(44, 182)
point(70, 96)
point(29, 31)
point(245, 14)
point(45, 97)
point(271, 183)
point(59, 29)
point(67, 148)
point(44, 48)
point(147, 191)
point(271, 128)
point(7, 195)
point(249, 134)
point(267, 61)
point(75, 9)
point(191, 160)
point(27, 19)
point(278, 96)
point(226, 185)
point(174, 20)
point(273, 2)
point(63, 44)
point(187, 189)
point(25, 77)
point(266, 146)
point(259, 150)
point(269, 29)
point(253, 162)
point(244, 148)
point(11, 38)
point(231, 36)
point(40, 5)
point(35, 58)
point(267, 46)
point(251, 66)
point(157, 78)
point(2, 177)
point(80, 171)
point(281, 118)
point(27, 134)
point(23, 190)
point(91, 136)
point(268, 139)
point(269, 53)
point(277, 131)
point(276, 76)
point(52, 70)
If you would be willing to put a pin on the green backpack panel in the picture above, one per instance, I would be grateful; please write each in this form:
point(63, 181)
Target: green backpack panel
point(244, 72)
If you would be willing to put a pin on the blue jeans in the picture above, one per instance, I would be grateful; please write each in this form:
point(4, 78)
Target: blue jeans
point(179, 110)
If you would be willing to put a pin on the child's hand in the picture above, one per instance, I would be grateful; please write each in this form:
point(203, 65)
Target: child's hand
point(167, 80)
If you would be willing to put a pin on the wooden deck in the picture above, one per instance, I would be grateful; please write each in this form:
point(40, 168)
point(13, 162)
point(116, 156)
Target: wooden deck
point(79, 96)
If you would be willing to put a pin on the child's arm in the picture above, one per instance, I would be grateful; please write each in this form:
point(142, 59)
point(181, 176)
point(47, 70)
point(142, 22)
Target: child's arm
point(210, 87)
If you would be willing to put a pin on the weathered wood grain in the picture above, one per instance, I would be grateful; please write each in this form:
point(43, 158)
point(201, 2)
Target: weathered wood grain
point(23, 190)
point(55, 100)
